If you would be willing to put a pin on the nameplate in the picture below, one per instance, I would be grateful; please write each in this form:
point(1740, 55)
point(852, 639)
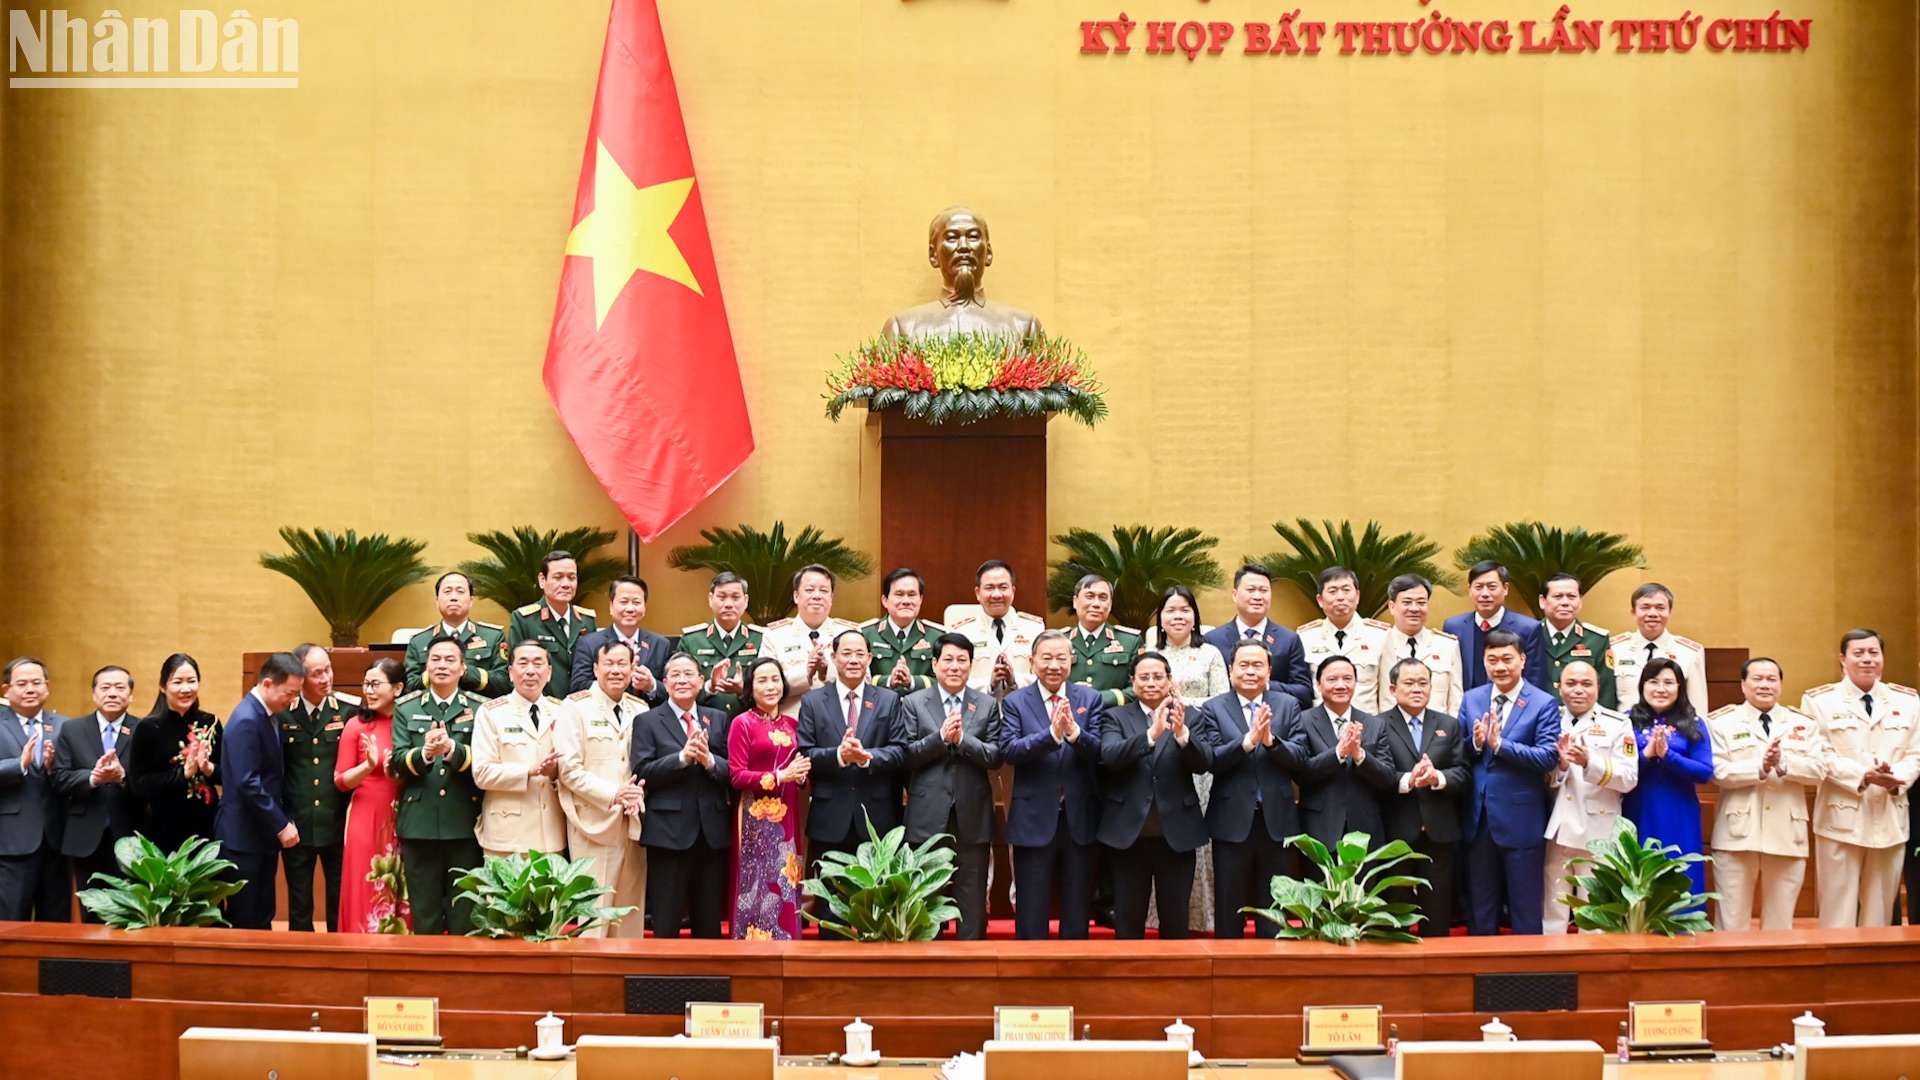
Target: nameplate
point(725, 1020)
point(1341, 1029)
point(1033, 1023)
point(403, 1019)
point(1666, 1025)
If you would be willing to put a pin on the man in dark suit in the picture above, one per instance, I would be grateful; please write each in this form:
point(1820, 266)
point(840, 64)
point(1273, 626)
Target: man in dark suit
point(952, 735)
point(1515, 728)
point(252, 822)
point(846, 729)
point(89, 769)
point(1431, 771)
point(1256, 748)
point(1050, 734)
point(1287, 659)
point(33, 874)
point(1152, 823)
point(1487, 584)
point(1349, 768)
point(680, 754)
point(626, 606)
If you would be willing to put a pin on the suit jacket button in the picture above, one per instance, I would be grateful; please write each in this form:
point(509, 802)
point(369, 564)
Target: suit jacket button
point(443, 791)
point(316, 802)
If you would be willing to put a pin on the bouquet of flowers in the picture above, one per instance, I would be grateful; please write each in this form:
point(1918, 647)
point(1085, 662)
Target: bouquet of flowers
point(968, 377)
point(198, 749)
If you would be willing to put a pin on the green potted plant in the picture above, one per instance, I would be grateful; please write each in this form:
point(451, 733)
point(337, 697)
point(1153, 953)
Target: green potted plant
point(1629, 886)
point(184, 888)
point(1347, 905)
point(1533, 552)
point(1140, 561)
point(510, 578)
point(887, 889)
point(964, 378)
point(535, 897)
point(1374, 557)
point(767, 561)
point(348, 576)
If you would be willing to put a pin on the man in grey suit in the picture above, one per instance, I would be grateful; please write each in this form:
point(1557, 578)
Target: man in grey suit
point(952, 735)
point(89, 770)
point(33, 874)
point(1349, 766)
point(1152, 823)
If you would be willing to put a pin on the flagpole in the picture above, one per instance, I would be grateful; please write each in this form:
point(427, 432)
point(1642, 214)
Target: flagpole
point(633, 551)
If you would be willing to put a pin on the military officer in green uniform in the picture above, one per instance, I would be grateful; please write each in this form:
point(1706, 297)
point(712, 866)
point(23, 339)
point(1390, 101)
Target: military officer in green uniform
point(483, 644)
point(1569, 640)
point(310, 747)
point(439, 802)
point(725, 646)
point(555, 621)
point(902, 643)
point(1102, 651)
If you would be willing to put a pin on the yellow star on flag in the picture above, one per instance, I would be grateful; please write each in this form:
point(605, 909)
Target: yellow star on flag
point(627, 232)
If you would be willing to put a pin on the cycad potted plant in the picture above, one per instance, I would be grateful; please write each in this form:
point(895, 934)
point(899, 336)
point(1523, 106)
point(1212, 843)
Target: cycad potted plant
point(767, 561)
point(1533, 552)
point(1629, 886)
point(535, 897)
point(1347, 904)
point(510, 578)
point(1140, 561)
point(887, 889)
point(348, 576)
point(1375, 558)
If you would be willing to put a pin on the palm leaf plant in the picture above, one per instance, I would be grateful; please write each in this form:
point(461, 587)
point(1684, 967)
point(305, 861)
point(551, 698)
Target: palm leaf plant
point(1374, 557)
point(184, 888)
point(511, 577)
point(348, 576)
point(1533, 552)
point(535, 897)
point(767, 561)
point(1140, 561)
point(887, 889)
point(1630, 886)
point(1347, 905)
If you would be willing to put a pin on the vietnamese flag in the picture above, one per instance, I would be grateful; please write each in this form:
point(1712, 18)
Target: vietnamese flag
point(640, 363)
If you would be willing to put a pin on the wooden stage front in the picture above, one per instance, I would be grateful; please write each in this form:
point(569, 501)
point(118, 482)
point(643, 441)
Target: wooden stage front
point(1243, 998)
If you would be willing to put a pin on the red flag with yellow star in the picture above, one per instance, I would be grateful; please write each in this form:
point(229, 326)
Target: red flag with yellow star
point(640, 363)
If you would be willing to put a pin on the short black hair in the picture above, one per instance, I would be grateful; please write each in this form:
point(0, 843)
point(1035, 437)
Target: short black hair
point(1251, 568)
point(992, 564)
point(1147, 654)
point(814, 568)
point(280, 667)
point(1748, 666)
point(1250, 643)
point(606, 647)
point(687, 656)
point(1563, 576)
point(1177, 592)
point(1393, 673)
point(1408, 583)
point(842, 635)
point(1489, 566)
point(515, 651)
point(555, 556)
point(958, 641)
point(447, 639)
point(886, 583)
point(1648, 589)
point(613, 587)
point(1846, 639)
point(1334, 573)
point(109, 669)
point(442, 580)
point(728, 577)
point(1090, 579)
point(1336, 658)
point(1503, 638)
point(306, 649)
point(7, 676)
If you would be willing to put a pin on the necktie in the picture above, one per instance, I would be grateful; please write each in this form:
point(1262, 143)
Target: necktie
point(1500, 711)
point(853, 709)
point(616, 714)
point(1485, 626)
point(1413, 725)
point(813, 637)
point(1000, 630)
point(1651, 645)
point(953, 707)
point(1413, 648)
point(1250, 634)
point(1866, 702)
point(1339, 640)
point(1766, 723)
point(687, 719)
point(106, 735)
point(1559, 638)
point(903, 637)
point(533, 717)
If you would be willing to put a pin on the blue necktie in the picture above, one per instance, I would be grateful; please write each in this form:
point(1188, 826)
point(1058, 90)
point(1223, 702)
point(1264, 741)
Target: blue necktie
point(1413, 724)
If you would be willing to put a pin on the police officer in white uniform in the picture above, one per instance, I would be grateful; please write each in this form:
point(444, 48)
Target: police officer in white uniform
point(1599, 762)
point(1766, 758)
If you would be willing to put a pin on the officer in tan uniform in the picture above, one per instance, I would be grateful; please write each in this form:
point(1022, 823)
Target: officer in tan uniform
point(803, 643)
point(1652, 608)
point(599, 793)
point(1411, 638)
point(1343, 633)
point(1002, 637)
point(514, 762)
point(1766, 758)
point(1599, 762)
point(1868, 750)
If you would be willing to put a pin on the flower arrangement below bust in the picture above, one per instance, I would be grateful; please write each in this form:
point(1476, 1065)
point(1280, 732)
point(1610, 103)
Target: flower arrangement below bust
point(968, 377)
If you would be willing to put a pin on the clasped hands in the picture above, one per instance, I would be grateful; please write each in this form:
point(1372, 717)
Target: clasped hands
point(851, 752)
point(1169, 715)
point(632, 796)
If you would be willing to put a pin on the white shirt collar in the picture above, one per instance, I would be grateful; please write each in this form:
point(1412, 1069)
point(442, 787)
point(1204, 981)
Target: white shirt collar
point(1246, 702)
point(1338, 717)
point(1493, 622)
point(455, 631)
point(1241, 626)
point(841, 690)
point(437, 699)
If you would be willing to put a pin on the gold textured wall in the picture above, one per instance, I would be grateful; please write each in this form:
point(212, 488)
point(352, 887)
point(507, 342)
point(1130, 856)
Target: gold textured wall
point(1667, 295)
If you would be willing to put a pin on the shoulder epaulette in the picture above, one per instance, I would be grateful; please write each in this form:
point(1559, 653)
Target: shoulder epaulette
point(756, 628)
point(694, 629)
point(1377, 624)
point(1689, 643)
point(587, 611)
point(1437, 632)
point(929, 624)
point(1125, 630)
point(346, 697)
point(1721, 711)
point(1821, 689)
point(490, 626)
point(778, 623)
point(640, 701)
point(1601, 630)
point(1618, 638)
point(963, 621)
point(494, 703)
point(530, 609)
point(579, 695)
point(404, 698)
point(875, 621)
point(1791, 709)
point(1308, 626)
point(1029, 616)
point(1902, 689)
point(1614, 713)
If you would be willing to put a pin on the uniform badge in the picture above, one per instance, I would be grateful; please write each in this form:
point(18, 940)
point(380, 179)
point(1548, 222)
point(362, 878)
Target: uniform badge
point(478, 644)
point(1581, 650)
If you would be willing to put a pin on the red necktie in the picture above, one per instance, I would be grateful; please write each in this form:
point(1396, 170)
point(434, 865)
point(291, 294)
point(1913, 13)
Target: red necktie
point(1485, 626)
point(853, 710)
point(688, 717)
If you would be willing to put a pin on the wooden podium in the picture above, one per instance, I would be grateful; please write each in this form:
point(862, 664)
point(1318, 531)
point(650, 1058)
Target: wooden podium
point(955, 495)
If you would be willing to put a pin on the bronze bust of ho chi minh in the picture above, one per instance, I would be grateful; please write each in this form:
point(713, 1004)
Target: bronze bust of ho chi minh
point(958, 246)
